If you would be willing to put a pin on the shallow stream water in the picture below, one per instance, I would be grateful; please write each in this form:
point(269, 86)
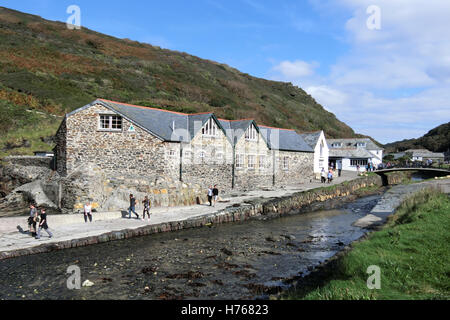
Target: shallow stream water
point(231, 261)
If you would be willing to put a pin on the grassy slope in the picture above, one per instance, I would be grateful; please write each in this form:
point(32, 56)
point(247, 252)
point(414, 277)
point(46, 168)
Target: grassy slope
point(413, 252)
point(44, 66)
point(437, 140)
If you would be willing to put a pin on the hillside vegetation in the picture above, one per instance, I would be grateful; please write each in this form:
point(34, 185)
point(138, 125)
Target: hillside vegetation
point(437, 140)
point(47, 68)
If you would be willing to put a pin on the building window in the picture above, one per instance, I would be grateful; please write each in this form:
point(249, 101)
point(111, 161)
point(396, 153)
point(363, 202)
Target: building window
point(251, 163)
point(171, 152)
point(210, 129)
point(361, 144)
point(219, 155)
point(336, 145)
point(321, 148)
point(110, 122)
point(202, 154)
point(239, 161)
point(251, 133)
point(262, 162)
point(285, 163)
point(360, 162)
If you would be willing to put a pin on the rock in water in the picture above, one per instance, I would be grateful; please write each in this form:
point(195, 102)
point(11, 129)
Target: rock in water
point(88, 283)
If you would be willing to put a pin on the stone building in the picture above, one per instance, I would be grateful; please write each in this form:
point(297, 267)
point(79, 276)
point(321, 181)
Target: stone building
point(170, 156)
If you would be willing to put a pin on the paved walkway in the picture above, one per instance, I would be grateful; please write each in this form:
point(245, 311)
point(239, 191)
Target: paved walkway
point(392, 199)
point(14, 235)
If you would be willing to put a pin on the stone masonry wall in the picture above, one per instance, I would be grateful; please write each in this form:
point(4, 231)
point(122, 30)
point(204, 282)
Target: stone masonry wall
point(300, 167)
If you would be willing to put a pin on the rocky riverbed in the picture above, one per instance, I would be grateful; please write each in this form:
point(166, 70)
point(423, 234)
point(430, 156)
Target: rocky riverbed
point(232, 261)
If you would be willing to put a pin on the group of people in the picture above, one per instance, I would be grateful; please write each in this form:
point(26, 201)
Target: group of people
point(213, 195)
point(326, 176)
point(147, 204)
point(38, 218)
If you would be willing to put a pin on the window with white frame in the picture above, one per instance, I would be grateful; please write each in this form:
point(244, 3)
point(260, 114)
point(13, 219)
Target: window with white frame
point(239, 161)
point(361, 144)
point(251, 162)
point(172, 152)
point(202, 154)
point(110, 122)
point(360, 162)
point(262, 162)
point(285, 163)
point(210, 129)
point(336, 145)
point(251, 133)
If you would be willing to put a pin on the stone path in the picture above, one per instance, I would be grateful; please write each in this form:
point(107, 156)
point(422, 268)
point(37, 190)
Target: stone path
point(13, 235)
point(392, 199)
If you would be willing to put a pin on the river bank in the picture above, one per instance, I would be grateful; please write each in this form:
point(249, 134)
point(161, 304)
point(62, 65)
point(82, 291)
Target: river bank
point(411, 250)
point(263, 205)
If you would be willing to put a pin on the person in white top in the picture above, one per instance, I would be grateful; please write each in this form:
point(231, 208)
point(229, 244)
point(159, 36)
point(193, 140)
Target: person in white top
point(88, 212)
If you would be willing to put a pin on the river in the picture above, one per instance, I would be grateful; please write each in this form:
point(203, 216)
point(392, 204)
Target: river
point(231, 261)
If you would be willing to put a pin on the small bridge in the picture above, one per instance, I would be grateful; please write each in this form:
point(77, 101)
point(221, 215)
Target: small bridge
point(437, 172)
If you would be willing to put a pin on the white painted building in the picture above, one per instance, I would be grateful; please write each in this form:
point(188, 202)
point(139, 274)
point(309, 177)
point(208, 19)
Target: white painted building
point(351, 153)
point(317, 141)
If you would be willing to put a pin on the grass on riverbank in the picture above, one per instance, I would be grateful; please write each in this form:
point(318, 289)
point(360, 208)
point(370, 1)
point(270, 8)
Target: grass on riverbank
point(412, 251)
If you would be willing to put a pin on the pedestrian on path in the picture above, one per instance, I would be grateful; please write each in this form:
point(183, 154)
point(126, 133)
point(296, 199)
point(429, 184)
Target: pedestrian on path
point(330, 176)
point(323, 176)
point(43, 225)
point(32, 220)
point(210, 195)
point(87, 212)
point(339, 167)
point(132, 207)
point(147, 205)
point(215, 194)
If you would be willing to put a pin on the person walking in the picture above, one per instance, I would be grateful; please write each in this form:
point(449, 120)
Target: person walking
point(330, 176)
point(132, 207)
point(339, 167)
point(32, 220)
point(147, 205)
point(210, 195)
point(87, 212)
point(215, 194)
point(43, 225)
point(323, 176)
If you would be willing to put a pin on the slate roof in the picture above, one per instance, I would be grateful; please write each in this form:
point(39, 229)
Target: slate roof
point(350, 153)
point(284, 139)
point(158, 122)
point(162, 123)
point(236, 128)
point(352, 143)
point(311, 138)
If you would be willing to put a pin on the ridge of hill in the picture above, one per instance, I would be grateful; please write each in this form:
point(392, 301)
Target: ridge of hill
point(47, 70)
point(436, 140)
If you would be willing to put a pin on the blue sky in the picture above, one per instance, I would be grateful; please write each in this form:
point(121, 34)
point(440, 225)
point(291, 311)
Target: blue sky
point(392, 83)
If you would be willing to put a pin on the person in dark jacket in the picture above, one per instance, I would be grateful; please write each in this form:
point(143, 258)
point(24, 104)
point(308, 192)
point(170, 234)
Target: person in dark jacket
point(43, 225)
point(132, 207)
point(215, 195)
point(32, 220)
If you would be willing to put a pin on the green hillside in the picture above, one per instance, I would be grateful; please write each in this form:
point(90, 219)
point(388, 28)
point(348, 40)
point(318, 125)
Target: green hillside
point(436, 140)
point(47, 68)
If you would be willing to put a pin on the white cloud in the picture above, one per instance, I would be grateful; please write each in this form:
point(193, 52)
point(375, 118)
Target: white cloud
point(295, 69)
point(393, 83)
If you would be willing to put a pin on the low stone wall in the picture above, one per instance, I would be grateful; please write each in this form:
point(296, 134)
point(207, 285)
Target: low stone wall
point(30, 161)
point(257, 209)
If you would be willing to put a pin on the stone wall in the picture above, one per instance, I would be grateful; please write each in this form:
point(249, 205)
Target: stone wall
point(300, 167)
point(257, 209)
point(126, 152)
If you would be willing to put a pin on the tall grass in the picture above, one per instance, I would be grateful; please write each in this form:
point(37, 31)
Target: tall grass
point(412, 251)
